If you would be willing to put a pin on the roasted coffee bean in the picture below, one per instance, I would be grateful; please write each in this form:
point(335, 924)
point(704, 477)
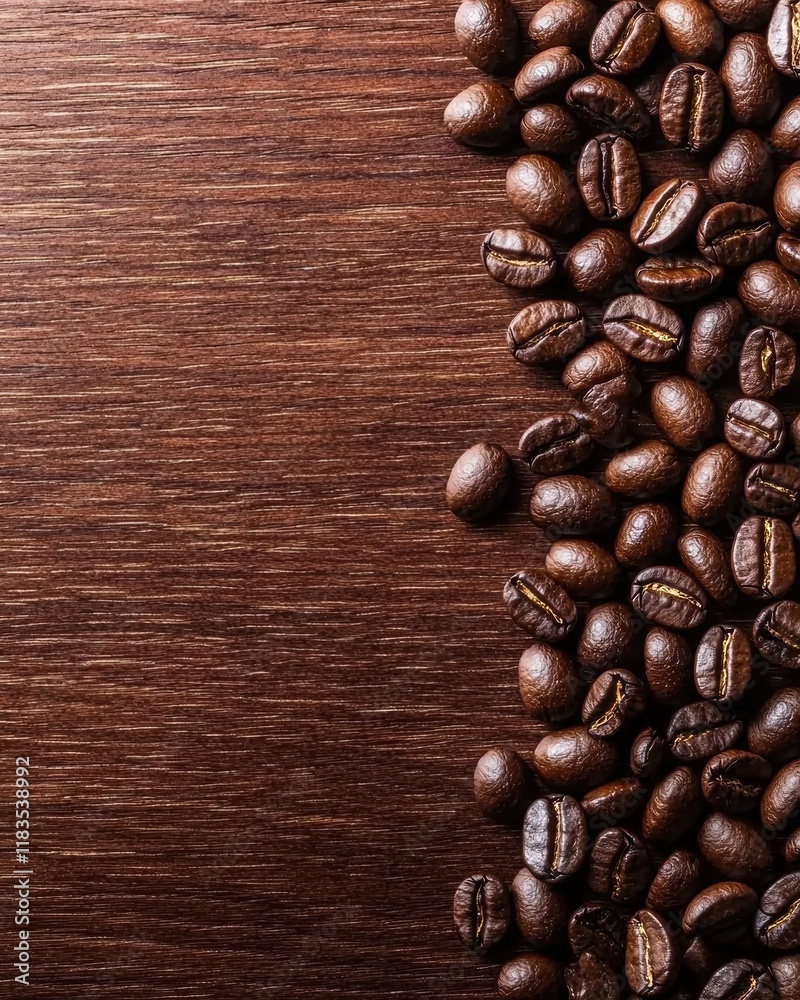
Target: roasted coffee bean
point(787, 199)
point(740, 979)
point(647, 85)
point(618, 865)
point(546, 73)
point(701, 959)
point(794, 431)
point(652, 960)
point(624, 37)
point(668, 666)
point(771, 295)
point(582, 567)
point(647, 330)
point(541, 911)
point(503, 784)
point(787, 250)
point(668, 596)
point(539, 606)
point(543, 193)
point(609, 177)
point(606, 104)
point(742, 168)
point(682, 411)
point(733, 848)
point(615, 698)
point(780, 805)
point(720, 911)
point(519, 258)
point(607, 636)
point(614, 802)
point(591, 979)
point(600, 372)
point(701, 730)
point(783, 38)
point(563, 22)
point(550, 129)
point(785, 134)
point(706, 558)
point(723, 664)
point(776, 633)
point(734, 780)
point(667, 215)
point(734, 234)
point(767, 362)
point(691, 107)
point(572, 758)
point(648, 532)
point(676, 881)
point(479, 482)
point(597, 261)
point(777, 922)
point(774, 730)
point(712, 484)
point(481, 912)
point(555, 443)
point(791, 848)
point(752, 85)
point(754, 428)
point(673, 808)
point(575, 505)
point(548, 683)
point(488, 32)
point(762, 558)
point(692, 29)
point(555, 838)
point(711, 346)
point(678, 279)
point(485, 115)
point(531, 975)
point(548, 330)
point(773, 489)
point(786, 973)
point(607, 421)
point(598, 929)
point(742, 13)
point(647, 751)
point(644, 470)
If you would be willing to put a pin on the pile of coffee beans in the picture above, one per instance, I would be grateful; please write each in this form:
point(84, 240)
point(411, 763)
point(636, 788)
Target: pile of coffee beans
point(660, 254)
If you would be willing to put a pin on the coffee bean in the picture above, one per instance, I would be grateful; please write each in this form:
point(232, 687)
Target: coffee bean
point(479, 482)
point(776, 633)
point(554, 838)
point(701, 730)
point(606, 420)
point(676, 881)
point(720, 911)
point(488, 32)
point(742, 13)
point(777, 922)
point(600, 372)
point(783, 38)
point(614, 802)
point(583, 568)
point(762, 558)
point(678, 279)
point(598, 929)
point(739, 979)
point(785, 134)
point(701, 959)
point(548, 683)
point(771, 295)
point(606, 104)
point(624, 37)
point(609, 177)
point(647, 85)
point(734, 234)
point(647, 751)
point(544, 194)
point(575, 505)
point(647, 330)
point(691, 107)
point(648, 532)
point(734, 780)
point(591, 979)
point(531, 975)
point(767, 362)
point(723, 664)
point(546, 73)
point(787, 199)
point(683, 412)
point(481, 912)
point(618, 865)
point(787, 250)
point(673, 808)
point(518, 258)
point(615, 698)
point(692, 30)
point(667, 215)
point(733, 848)
point(485, 115)
point(791, 848)
point(503, 784)
point(668, 596)
point(712, 484)
point(550, 129)
point(607, 637)
point(780, 805)
point(794, 431)
point(597, 261)
point(541, 911)
point(652, 961)
point(642, 471)
point(774, 730)
point(539, 606)
point(711, 346)
point(752, 85)
point(754, 428)
point(706, 558)
point(742, 168)
point(668, 666)
point(548, 330)
point(555, 443)
point(563, 22)
point(786, 973)
point(773, 489)
point(572, 759)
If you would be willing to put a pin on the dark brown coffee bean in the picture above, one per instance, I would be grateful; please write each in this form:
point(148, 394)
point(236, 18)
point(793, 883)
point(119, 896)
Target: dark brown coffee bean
point(787, 199)
point(754, 428)
point(541, 912)
point(723, 664)
point(734, 780)
point(692, 29)
point(615, 698)
point(600, 372)
point(606, 104)
point(742, 14)
point(668, 596)
point(597, 261)
point(787, 250)
point(734, 848)
point(777, 922)
point(701, 730)
point(794, 431)
point(740, 979)
point(606, 420)
point(503, 784)
point(563, 22)
point(774, 730)
point(555, 838)
point(682, 411)
point(773, 489)
point(692, 106)
point(752, 85)
point(785, 134)
point(485, 115)
point(479, 482)
point(734, 234)
point(598, 929)
point(575, 505)
point(539, 606)
point(548, 330)
point(624, 37)
point(550, 129)
point(607, 636)
point(673, 808)
point(582, 567)
point(712, 484)
point(647, 751)
point(647, 533)
point(489, 35)
point(614, 802)
point(518, 258)
point(786, 973)
point(780, 805)
point(555, 443)
point(706, 558)
point(742, 168)
point(618, 865)
point(481, 912)
point(762, 558)
point(647, 330)
point(668, 666)
point(783, 38)
point(676, 881)
point(667, 215)
point(710, 350)
point(767, 362)
point(776, 633)
point(543, 193)
point(546, 73)
point(720, 911)
point(591, 979)
point(548, 683)
point(571, 758)
point(647, 85)
point(609, 177)
point(771, 295)
point(642, 471)
point(678, 279)
point(652, 960)
point(531, 975)
point(701, 959)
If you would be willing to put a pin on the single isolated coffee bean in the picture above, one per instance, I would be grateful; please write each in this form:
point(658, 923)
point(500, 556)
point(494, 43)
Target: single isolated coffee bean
point(780, 805)
point(647, 330)
point(544, 194)
point(563, 22)
point(555, 443)
point(548, 330)
point(591, 979)
point(548, 683)
point(692, 29)
point(720, 911)
point(774, 730)
point(786, 973)
point(481, 912)
point(572, 758)
point(763, 558)
point(668, 666)
point(677, 880)
point(712, 484)
point(531, 975)
point(597, 261)
point(723, 664)
point(598, 929)
point(771, 295)
point(678, 279)
point(776, 633)
point(742, 14)
point(734, 848)
point(625, 36)
point(607, 637)
point(618, 865)
point(555, 838)
point(489, 35)
point(734, 234)
point(673, 808)
point(582, 567)
point(541, 912)
point(479, 482)
point(692, 106)
point(667, 215)
point(574, 505)
point(740, 978)
point(682, 411)
point(777, 922)
point(767, 362)
point(785, 134)
point(734, 781)
point(712, 344)
point(609, 177)
point(647, 751)
point(485, 115)
point(754, 428)
point(503, 784)
point(742, 168)
point(606, 104)
point(652, 960)
point(787, 250)
point(644, 470)
point(706, 558)
point(773, 488)
point(751, 83)
point(539, 606)
point(614, 802)
point(647, 533)
point(783, 38)
point(600, 372)
point(701, 730)
point(518, 258)
point(615, 698)
point(546, 74)
point(550, 129)
point(668, 596)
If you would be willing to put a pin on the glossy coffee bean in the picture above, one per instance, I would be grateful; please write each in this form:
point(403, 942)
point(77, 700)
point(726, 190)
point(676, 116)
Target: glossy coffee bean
point(647, 532)
point(774, 730)
point(742, 14)
point(668, 666)
point(734, 234)
point(615, 698)
point(503, 784)
point(777, 922)
point(754, 428)
point(673, 808)
point(481, 912)
point(547, 330)
point(734, 848)
point(791, 848)
point(647, 84)
point(582, 567)
point(776, 633)
point(598, 261)
point(606, 420)
point(485, 115)
point(701, 730)
point(787, 250)
point(752, 86)
point(554, 838)
point(479, 482)
point(740, 978)
point(607, 636)
point(706, 558)
point(531, 975)
point(682, 411)
point(548, 683)
point(546, 74)
point(518, 258)
point(678, 279)
point(691, 107)
point(677, 880)
point(771, 295)
point(575, 505)
point(720, 911)
point(783, 38)
point(767, 362)
point(541, 912)
point(591, 979)
point(785, 134)
point(762, 558)
point(773, 488)
point(489, 35)
point(741, 168)
point(539, 606)
point(604, 103)
point(549, 129)
point(643, 471)
point(573, 759)
point(712, 484)
point(609, 177)
point(555, 443)
point(647, 751)
point(786, 973)
point(668, 596)
point(652, 960)
point(787, 199)
point(647, 330)
point(619, 865)
point(667, 215)
point(723, 664)
point(543, 193)
point(563, 22)
point(692, 29)
point(794, 431)
point(614, 802)
point(780, 804)
point(598, 929)
point(600, 372)
point(624, 37)
point(734, 780)
point(710, 350)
